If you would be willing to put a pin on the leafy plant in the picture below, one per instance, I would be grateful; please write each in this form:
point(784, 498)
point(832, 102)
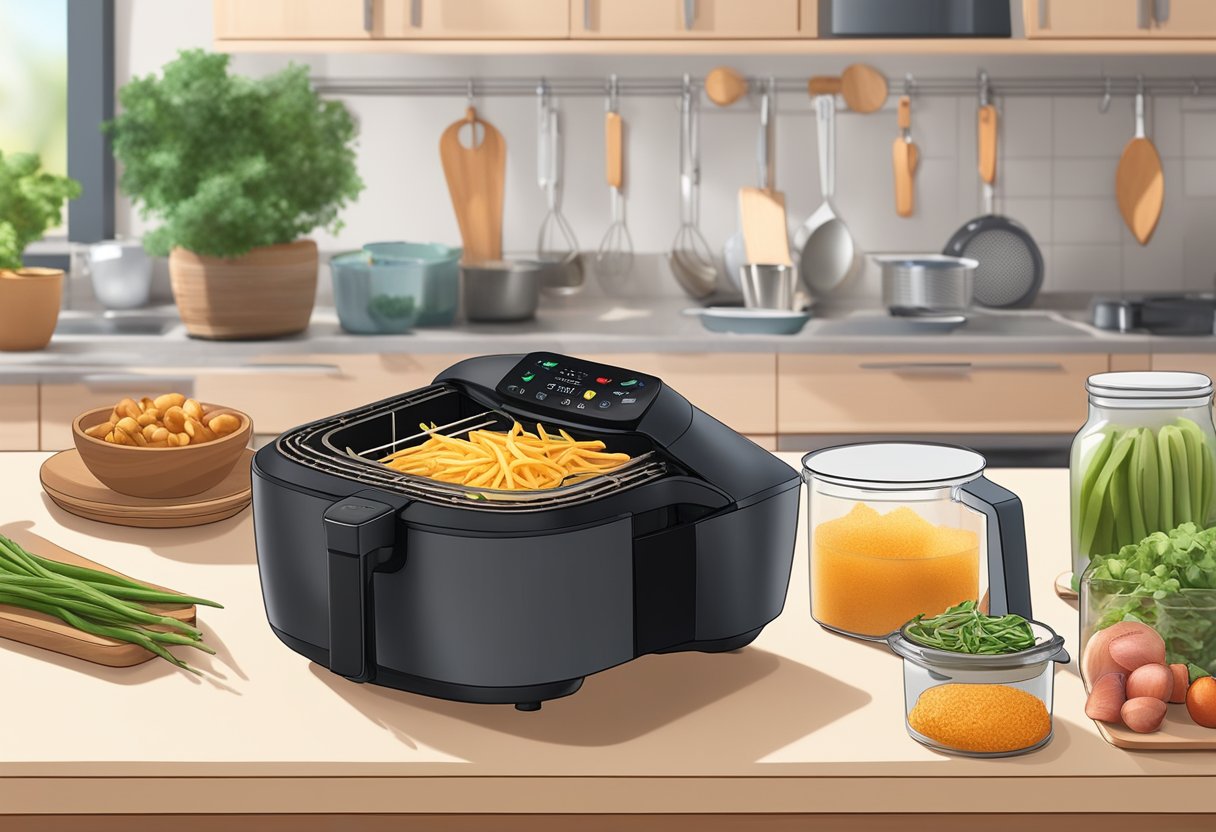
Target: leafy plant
point(31, 201)
point(230, 163)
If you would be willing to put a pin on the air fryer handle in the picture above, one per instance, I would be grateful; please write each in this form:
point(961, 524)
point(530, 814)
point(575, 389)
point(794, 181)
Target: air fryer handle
point(1008, 575)
point(359, 535)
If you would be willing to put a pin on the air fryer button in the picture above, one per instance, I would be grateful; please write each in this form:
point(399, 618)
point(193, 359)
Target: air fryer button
point(629, 401)
point(629, 383)
point(581, 406)
point(589, 395)
point(605, 404)
point(566, 402)
point(542, 396)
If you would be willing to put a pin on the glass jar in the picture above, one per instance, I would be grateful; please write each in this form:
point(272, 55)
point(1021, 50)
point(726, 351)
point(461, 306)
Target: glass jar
point(1144, 462)
point(897, 529)
point(980, 705)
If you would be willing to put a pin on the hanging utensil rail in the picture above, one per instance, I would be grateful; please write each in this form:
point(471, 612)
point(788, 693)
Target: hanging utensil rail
point(1098, 86)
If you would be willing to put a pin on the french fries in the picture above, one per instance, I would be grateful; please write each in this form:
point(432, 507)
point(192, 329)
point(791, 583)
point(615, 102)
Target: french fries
point(168, 421)
point(515, 460)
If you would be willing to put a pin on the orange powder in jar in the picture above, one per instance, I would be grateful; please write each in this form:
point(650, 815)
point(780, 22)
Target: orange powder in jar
point(989, 719)
point(871, 573)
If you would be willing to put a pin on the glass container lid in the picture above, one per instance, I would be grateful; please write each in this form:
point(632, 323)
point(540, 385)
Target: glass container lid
point(1149, 385)
point(894, 466)
point(1048, 647)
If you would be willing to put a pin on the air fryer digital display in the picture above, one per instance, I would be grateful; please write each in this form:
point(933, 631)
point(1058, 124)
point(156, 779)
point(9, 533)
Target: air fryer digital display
point(579, 389)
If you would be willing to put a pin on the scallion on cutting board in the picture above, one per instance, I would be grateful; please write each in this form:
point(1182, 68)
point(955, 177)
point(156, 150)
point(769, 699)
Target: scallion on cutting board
point(97, 602)
point(964, 629)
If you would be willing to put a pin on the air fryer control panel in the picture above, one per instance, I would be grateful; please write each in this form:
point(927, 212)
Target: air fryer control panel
point(579, 389)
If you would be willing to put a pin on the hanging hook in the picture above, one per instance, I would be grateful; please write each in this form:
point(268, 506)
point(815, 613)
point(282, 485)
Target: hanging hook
point(1139, 85)
point(1106, 88)
point(613, 102)
point(1194, 86)
point(909, 84)
point(985, 88)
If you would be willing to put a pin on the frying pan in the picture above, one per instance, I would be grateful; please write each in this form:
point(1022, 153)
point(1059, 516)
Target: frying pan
point(1010, 269)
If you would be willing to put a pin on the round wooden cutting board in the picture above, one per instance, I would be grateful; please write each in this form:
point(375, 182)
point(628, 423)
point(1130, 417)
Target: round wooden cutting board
point(67, 481)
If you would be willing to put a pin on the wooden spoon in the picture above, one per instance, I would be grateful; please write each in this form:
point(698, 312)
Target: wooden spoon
point(864, 88)
point(905, 157)
point(1140, 182)
point(724, 86)
point(475, 177)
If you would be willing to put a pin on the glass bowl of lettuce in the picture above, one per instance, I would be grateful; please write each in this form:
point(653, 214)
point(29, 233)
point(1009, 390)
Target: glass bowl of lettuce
point(1167, 581)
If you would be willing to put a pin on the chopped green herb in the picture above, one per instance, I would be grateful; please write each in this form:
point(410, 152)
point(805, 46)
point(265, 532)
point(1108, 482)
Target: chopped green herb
point(964, 629)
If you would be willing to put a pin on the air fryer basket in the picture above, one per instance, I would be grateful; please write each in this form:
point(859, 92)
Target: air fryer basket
point(352, 444)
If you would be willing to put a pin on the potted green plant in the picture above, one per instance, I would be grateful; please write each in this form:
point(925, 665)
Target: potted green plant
point(31, 201)
point(237, 170)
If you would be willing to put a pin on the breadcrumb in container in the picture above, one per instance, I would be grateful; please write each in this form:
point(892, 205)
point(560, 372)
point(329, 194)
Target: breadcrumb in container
point(980, 718)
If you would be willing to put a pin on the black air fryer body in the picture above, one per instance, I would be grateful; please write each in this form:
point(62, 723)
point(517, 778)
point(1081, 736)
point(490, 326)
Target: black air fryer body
point(406, 582)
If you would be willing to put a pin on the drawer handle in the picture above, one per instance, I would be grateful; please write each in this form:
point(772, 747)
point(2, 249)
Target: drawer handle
point(1144, 14)
point(1043, 14)
point(962, 367)
point(690, 14)
point(1161, 11)
point(369, 16)
point(416, 14)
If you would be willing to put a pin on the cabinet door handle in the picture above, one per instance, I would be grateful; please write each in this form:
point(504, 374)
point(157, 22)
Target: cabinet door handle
point(1144, 14)
point(962, 367)
point(1043, 16)
point(416, 14)
point(1161, 11)
point(586, 15)
point(369, 16)
point(690, 14)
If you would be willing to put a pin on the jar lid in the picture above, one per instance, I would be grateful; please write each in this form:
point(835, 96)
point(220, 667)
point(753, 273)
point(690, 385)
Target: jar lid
point(1048, 647)
point(1151, 385)
point(894, 466)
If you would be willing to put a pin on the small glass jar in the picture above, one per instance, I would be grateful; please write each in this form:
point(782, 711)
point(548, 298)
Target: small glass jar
point(979, 705)
point(1144, 462)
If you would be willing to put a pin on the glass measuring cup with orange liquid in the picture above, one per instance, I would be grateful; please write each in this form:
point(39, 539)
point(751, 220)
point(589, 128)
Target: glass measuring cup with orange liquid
point(896, 529)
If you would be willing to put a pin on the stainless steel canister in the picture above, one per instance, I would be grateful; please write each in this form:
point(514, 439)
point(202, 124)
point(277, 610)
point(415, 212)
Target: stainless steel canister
point(927, 285)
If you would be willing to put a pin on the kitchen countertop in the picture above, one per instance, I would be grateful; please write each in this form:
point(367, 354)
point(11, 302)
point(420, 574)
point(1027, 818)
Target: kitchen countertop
point(587, 325)
point(801, 721)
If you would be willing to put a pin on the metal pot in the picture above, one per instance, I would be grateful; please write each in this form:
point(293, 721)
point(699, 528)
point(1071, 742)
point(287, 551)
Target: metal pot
point(502, 290)
point(931, 284)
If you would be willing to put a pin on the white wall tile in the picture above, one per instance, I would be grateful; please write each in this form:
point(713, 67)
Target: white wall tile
point(1025, 177)
point(1199, 246)
point(1084, 268)
point(1165, 126)
point(1199, 178)
point(1199, 135)
point(1079, 129)
point(1084, 177)
point(1086, 221)
point(1034, 214)
point(1025, 127)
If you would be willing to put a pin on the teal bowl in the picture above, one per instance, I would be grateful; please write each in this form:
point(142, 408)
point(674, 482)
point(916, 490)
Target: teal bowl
point(375, 298)
point(438, 267)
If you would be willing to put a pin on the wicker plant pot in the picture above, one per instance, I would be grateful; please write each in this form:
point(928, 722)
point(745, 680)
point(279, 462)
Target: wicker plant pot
point(266, 293)
point(29, 307)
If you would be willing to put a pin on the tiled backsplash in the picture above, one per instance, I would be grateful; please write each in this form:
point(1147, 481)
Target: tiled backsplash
point(1056, 171)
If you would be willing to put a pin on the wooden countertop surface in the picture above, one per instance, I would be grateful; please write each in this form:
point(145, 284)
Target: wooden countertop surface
point(801, 721)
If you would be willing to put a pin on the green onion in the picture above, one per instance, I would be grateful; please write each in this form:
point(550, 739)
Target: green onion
point(98, 602)
point(964, 629)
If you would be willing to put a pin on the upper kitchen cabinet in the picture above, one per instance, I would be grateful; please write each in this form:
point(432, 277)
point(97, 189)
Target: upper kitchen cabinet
point(686, 19)
point(293, 19)
point(390, 19)
point(1080, 19)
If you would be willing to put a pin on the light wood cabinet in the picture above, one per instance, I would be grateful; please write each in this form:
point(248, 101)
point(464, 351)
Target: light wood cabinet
point(18, 417)
point(1187, 362)
point(933, 393)
point(472, 19)
point(677, 19)
point(1088, 18)
point(1184, 19)
point(390, 19)
point(291, 19)
point(739, 390)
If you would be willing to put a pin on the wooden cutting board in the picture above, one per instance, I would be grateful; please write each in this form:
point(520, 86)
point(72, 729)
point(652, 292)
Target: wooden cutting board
point(476, 175)
point(49, 633)
point(765, 230)
point(1177, 733)
point(68, 482)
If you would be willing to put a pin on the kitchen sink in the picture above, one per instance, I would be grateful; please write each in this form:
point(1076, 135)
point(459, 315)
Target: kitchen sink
point(110, 323)
point(1031, 324)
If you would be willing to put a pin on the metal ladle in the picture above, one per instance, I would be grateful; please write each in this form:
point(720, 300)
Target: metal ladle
point(691, 260)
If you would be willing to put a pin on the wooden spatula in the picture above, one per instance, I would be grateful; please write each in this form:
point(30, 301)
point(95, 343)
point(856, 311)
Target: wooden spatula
point(987, 127)
point(905, 157)
point(475, 175)
point(1140, 182)
point(762, 210)
point(724, 85)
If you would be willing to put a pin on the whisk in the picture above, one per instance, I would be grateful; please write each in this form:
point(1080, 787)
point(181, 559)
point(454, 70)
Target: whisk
point(691, 260)
point(615, 255)
point(556, 244)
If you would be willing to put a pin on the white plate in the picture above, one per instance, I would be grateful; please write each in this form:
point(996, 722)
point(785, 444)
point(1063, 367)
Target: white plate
point(751, 321)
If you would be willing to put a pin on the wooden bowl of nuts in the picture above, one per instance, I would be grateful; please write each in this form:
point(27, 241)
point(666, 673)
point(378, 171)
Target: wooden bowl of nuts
point(164, 447)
